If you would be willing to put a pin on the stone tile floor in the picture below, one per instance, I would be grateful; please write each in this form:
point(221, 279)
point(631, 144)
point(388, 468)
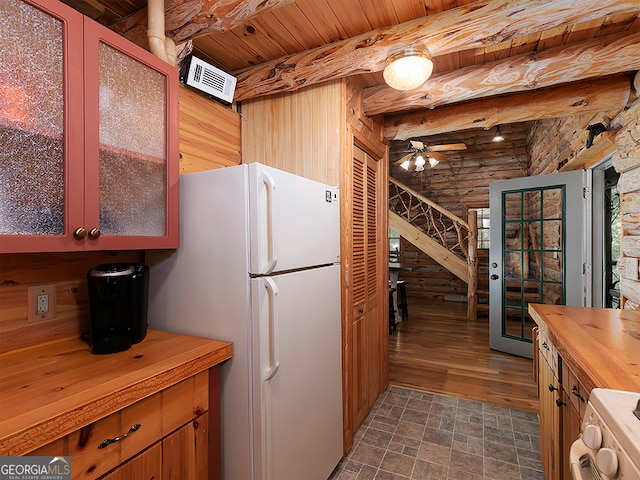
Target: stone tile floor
point(416, 435)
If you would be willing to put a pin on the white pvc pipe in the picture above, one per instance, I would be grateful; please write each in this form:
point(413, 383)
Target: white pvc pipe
point(155, 32)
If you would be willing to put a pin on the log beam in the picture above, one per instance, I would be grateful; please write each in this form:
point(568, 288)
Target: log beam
point(567, 100)
point(476, 25)
point(189, 19)
point(564, 64)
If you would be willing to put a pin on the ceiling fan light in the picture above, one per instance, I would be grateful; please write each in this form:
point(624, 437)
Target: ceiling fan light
point(420, 161)
point(498, 135)
point(408, 69)
point(405, 164)
point(419, 168)
point(433, 162)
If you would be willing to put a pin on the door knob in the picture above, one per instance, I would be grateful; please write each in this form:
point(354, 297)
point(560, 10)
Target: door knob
point(494, 277)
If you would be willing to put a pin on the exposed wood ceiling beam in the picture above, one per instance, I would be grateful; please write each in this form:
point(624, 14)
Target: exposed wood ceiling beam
point(189, 19)
point(572, 99)
point(479, 24)
point(564, 64)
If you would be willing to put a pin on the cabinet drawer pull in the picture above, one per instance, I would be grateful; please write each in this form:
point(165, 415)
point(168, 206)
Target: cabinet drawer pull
point(109, 441)
point(574, 390)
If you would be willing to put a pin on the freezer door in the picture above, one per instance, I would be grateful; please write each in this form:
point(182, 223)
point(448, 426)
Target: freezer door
point(295, 222)
point(298, 381)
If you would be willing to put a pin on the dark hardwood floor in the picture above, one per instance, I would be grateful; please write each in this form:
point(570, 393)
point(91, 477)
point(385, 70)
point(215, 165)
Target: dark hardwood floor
point(438, 350)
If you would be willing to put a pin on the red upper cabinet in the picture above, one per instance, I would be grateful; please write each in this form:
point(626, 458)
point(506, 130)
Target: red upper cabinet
point(88, 136)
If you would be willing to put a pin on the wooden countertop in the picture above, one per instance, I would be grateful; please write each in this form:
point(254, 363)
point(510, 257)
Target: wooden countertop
point(601, 346)
point(53, 389)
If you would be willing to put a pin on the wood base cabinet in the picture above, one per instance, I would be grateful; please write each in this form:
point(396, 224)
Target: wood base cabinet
point(550, 433)
point(163, 437)
point(563, 401)
point(585, 348)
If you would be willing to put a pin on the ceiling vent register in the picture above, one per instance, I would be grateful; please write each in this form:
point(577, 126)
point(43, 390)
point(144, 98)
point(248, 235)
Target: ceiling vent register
point(209, 79)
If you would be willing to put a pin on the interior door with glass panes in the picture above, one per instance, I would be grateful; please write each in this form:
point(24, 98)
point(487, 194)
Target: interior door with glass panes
point(536, 253)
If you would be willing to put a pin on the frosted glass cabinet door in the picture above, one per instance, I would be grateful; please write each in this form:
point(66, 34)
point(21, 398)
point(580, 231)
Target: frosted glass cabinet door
point(131, 148)
point(35, 101)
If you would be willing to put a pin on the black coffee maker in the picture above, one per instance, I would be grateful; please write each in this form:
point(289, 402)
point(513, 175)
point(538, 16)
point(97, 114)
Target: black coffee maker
point(118, 299)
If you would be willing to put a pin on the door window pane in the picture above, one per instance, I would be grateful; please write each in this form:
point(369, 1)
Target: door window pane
point(533, 260)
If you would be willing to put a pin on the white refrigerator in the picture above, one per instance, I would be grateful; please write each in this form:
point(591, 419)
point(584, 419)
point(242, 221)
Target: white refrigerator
point(258, 265)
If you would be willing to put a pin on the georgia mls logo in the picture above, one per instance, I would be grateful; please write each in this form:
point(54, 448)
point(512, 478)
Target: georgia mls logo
point(35, 468)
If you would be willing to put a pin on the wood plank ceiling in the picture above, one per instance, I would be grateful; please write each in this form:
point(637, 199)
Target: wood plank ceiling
point(524, 51)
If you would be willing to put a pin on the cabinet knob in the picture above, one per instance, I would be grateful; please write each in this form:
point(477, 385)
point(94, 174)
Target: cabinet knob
point(552, 388)
point(361, 310)
point(94, 233)
point(494, 277)
point(80, 233)
point(559, 402)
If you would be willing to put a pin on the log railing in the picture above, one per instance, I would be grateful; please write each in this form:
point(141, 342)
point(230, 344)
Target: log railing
point(447, 238)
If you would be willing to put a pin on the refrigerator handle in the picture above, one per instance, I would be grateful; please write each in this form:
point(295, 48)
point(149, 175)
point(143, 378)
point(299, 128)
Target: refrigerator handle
point(274, 343)
point(273, 260)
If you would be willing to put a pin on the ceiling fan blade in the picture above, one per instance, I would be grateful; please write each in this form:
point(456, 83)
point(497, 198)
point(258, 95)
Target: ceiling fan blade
point(438, 156)
point(448, 147)
point(406, 157)
point(417, 144)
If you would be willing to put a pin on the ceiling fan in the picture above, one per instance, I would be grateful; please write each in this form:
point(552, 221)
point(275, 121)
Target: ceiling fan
point(419, 150)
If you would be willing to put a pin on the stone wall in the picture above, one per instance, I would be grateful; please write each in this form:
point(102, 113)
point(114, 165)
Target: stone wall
point(626, 161)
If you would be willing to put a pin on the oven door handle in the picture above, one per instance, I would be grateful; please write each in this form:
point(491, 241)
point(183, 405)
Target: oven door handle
point(576, 460)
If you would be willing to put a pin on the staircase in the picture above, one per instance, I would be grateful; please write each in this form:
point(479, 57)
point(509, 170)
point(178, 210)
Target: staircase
point(445, 237)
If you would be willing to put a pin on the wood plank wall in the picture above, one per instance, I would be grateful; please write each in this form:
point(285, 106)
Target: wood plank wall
point(209, 133)
point(209, 138)
point(298, 132)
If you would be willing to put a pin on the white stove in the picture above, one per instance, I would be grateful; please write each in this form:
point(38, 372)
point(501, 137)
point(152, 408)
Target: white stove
point(609, 447)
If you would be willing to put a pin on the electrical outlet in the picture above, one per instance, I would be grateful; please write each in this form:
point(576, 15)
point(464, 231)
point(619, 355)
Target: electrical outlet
point(41, 303)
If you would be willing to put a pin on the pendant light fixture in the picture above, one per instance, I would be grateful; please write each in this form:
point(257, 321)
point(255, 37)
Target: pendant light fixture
point(408, 69)
point(498, 135)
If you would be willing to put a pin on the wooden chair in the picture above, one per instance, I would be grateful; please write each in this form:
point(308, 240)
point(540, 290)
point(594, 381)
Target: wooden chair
point(392, 312)
point(402, 298)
